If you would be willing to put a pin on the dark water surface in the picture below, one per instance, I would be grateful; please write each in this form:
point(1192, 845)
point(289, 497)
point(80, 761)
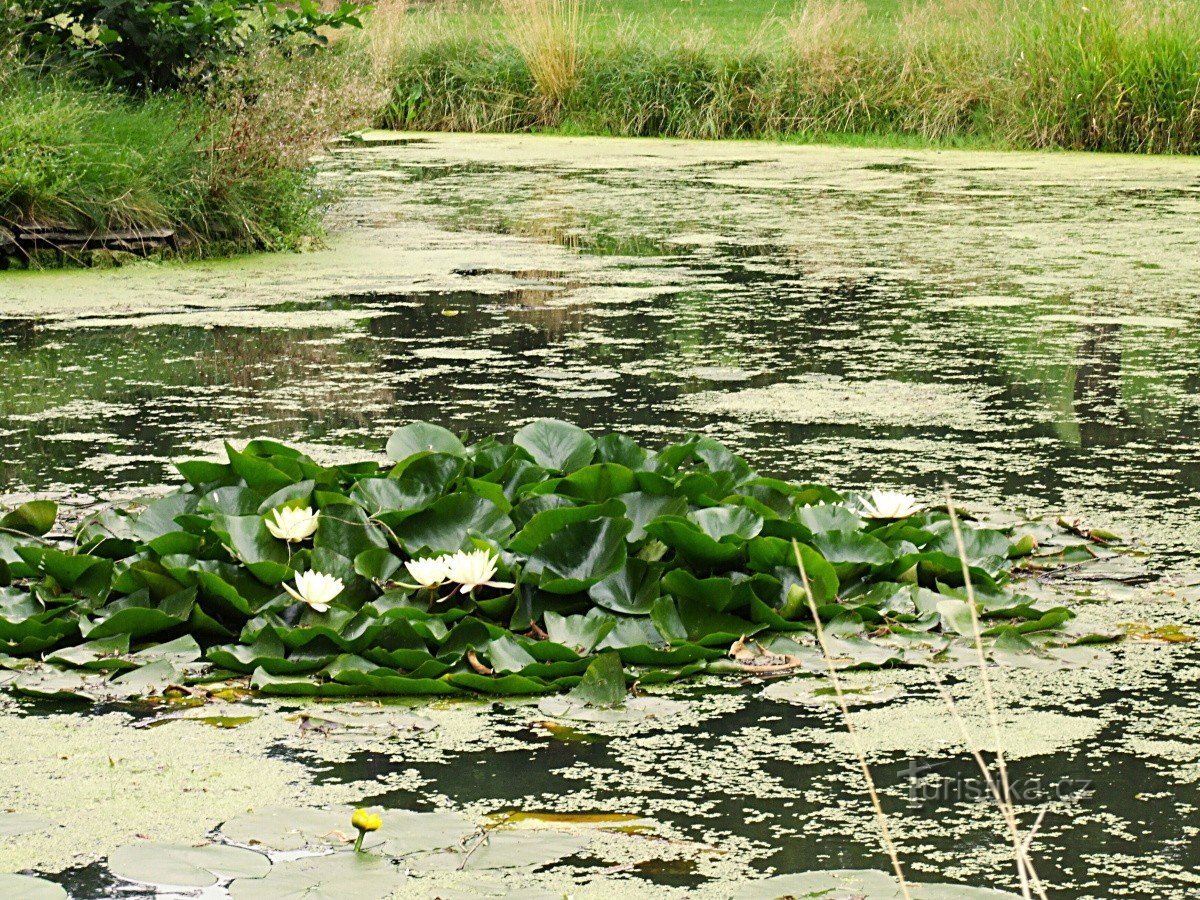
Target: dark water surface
point(1021, 328)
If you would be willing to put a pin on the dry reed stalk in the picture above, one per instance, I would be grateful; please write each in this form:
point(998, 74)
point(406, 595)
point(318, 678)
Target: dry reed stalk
point(547, 34)
point(385, 35)
point(1025, 872)
point(1024, 861)
point(888, 844)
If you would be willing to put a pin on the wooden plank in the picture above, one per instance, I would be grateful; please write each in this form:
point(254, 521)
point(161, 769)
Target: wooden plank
point(131, 240)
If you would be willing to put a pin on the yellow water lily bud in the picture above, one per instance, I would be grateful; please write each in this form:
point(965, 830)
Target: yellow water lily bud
point(365, 820)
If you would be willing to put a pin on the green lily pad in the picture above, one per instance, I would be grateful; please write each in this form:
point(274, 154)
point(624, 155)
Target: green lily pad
point(28, 887)
point(667, 559)
point(819, 692)
point(290, 827)
point(14, 823)
point(35, 517)
point(333, 877)
point(422, 437)
point(555, 445)
point(505, 849)
point(183, 866)
point(633, 710)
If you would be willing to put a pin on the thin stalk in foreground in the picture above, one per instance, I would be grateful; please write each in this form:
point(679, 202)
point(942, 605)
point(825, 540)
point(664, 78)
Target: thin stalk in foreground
point(888, 844)
point(1025, 870)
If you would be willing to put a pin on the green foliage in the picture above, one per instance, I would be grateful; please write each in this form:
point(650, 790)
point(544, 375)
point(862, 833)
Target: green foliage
point(660, 565)
point(157, 44)
point(1113, 75)
point(72, 155)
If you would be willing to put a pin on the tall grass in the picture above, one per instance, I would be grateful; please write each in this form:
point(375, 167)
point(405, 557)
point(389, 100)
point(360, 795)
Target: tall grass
point(1102, 75)
point(546, 33)
point(227, 168)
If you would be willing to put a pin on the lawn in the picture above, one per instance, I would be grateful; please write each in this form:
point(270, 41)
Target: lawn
point(726, 22)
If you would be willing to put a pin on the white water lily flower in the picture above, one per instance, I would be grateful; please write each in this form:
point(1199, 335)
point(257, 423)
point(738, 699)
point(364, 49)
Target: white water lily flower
point(428, 573)
point(888, 505)
point(474, 569)
point(291, 524)
point(316, 589)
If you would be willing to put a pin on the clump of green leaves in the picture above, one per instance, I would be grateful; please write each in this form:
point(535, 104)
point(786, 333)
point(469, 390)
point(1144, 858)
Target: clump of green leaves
point(668, 563)
point(163, 44)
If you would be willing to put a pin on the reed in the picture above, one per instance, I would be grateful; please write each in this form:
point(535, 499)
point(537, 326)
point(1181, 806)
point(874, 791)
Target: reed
point(1118, 75)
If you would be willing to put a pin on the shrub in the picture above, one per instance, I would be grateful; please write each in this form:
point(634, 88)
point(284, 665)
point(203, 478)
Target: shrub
point(156, 44)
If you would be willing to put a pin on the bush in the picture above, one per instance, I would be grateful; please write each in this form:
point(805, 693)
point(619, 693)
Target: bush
point(157, 44)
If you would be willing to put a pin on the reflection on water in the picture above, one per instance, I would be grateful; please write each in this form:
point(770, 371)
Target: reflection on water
point(948, 326)
point(1088, 419)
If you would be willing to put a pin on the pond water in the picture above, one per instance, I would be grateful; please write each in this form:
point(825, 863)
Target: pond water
point(1020, 327)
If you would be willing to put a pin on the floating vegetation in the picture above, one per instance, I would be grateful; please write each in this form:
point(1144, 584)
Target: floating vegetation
point(559, 562)
point(185, 866)
point(830, 400)
point(29, 887)
point(808, 693)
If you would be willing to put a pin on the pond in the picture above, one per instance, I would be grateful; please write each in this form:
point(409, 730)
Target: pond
point(1022, 328)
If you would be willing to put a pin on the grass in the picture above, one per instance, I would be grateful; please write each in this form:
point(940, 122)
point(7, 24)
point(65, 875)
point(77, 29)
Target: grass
point(226, 168)
point(728, 23)
point(78, 157)
point(1118, 75)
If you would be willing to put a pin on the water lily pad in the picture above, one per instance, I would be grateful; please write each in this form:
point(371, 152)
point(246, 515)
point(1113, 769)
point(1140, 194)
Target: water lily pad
point(290, 827)
point(363, 876)
point(858, 884)
point(505, 849)
point(218, 715)
point(819, 692)
point(422, 437)
point(838, 884)
point(27, 887)
point(381, 722)
point(14, 823)
point(55, 684)
point(664, 557)
point(405, 832)
point(635, 709)
point(299, 828)
point(958, 892)
point(556, 445)
point(182, 866)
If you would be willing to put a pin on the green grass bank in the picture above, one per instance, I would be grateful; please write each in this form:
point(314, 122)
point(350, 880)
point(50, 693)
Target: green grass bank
point(79, 157)
point(227, 167)
point(1111, 75)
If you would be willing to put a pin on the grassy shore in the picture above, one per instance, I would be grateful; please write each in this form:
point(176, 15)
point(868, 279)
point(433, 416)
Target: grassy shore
point(1117, 75)
point(78, 157)
point(226, 167)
